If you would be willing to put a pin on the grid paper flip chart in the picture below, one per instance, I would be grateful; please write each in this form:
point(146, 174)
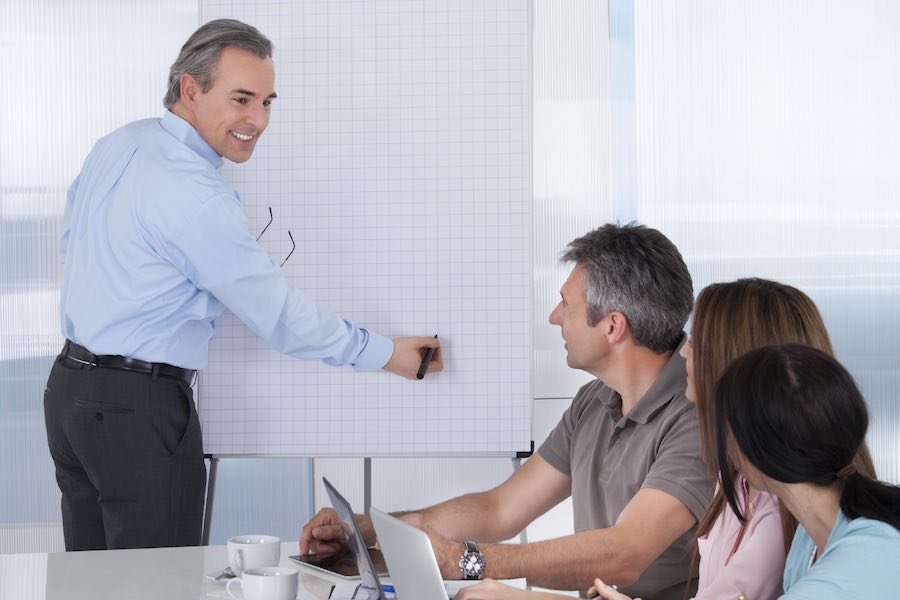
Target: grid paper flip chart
point(397, 161)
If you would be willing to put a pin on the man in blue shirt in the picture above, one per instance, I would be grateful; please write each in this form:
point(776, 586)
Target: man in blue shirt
point(154, 246)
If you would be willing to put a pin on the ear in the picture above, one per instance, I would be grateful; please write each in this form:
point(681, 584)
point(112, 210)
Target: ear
point(617, 328)
point(190, 88)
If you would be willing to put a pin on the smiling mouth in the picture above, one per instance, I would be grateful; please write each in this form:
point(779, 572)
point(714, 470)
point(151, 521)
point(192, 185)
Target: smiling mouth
point(241, 136)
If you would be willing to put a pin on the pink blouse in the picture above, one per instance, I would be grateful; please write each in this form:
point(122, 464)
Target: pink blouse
point(755, 569)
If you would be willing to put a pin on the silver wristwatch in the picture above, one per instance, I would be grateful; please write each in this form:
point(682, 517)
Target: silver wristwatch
point(471, 563)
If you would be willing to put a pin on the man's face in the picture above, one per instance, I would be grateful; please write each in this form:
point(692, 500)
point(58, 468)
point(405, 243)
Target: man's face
point(234, 112)
point(585, 345)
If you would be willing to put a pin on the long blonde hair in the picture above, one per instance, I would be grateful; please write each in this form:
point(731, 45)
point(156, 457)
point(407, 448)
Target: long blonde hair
point(731, 319)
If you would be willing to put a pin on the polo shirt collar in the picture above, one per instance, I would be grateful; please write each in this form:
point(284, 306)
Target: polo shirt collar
point(185, 132)
point(670, 382)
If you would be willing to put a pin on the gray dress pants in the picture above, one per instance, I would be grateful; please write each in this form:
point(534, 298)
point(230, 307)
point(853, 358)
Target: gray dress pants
point(128, 456)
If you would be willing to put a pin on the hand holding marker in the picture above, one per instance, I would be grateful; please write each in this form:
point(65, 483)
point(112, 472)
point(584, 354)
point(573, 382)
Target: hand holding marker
point(426, 360)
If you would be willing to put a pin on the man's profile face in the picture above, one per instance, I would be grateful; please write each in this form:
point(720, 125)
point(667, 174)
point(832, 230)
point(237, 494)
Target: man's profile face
point(585, 345)
point(233, 113)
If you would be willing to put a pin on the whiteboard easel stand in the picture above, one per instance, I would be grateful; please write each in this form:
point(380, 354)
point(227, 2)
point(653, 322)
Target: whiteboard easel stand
point(367, 487)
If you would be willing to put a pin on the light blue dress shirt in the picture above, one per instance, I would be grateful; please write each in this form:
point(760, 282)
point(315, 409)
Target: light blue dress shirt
point(861, 560)
point(155, 245)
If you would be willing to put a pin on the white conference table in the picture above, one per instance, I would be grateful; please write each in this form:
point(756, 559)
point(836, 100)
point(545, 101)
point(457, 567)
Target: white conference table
point(149, 574)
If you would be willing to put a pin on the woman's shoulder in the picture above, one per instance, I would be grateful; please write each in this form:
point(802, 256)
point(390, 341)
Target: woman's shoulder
point(864, 533)
point(860, 560)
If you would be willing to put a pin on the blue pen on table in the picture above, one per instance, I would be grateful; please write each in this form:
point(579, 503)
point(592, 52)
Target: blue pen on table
point(426, 360)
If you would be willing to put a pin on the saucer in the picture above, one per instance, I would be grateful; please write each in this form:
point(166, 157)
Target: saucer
point(223, 575)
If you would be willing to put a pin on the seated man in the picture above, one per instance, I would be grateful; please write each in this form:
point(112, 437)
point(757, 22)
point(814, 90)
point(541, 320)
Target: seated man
point(627, 450)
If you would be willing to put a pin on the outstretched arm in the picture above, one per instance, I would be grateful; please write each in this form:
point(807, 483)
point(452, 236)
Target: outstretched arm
point(650, 522)
point(495, 515)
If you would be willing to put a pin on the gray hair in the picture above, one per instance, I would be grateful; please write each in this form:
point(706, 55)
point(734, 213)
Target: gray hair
point(199, 56)
point(637, 271)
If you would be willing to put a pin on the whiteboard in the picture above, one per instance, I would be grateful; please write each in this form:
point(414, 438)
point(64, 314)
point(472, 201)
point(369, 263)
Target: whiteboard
point(398, 157)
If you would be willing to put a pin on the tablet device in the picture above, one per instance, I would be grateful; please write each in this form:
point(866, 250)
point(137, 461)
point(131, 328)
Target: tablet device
point(342, 564)
point(370, 585)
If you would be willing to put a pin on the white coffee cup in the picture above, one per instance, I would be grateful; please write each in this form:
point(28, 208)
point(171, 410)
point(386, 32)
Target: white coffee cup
point(266, 583)
point(250, 551)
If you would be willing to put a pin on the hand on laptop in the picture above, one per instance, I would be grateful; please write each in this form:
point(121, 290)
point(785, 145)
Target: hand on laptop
point(324, 534)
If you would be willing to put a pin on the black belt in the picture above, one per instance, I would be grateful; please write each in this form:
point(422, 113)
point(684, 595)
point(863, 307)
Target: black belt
point(86, 357)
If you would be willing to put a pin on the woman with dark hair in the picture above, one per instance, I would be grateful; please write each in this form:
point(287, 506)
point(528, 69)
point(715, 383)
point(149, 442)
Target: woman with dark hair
point(792, 420)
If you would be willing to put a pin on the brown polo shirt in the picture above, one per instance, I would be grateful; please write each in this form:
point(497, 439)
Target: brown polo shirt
point(610, 457)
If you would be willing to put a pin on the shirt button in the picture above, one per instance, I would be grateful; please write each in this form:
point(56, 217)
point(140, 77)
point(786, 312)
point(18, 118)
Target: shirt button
point(99, 417)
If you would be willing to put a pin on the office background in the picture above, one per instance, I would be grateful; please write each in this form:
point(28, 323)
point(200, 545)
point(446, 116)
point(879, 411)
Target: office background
point(761, 137)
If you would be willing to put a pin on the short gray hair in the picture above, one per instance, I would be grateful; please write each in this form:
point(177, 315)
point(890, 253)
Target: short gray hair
point(199, 56)
point(637, 271)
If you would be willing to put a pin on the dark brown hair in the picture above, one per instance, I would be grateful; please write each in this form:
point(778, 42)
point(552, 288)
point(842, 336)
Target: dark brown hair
point(797, 416)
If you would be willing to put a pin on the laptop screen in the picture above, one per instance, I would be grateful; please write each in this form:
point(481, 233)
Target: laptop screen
point(370, 585)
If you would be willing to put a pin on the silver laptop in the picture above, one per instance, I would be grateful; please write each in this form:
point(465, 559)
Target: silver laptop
point(410, 560)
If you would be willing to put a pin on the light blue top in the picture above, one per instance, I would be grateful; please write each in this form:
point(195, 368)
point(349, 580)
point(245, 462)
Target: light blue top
point(155, 245)
point(861, 560)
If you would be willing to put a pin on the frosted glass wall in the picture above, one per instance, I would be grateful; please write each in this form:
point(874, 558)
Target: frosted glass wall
point(570, 178)
point(768, 144)
point(75, 71)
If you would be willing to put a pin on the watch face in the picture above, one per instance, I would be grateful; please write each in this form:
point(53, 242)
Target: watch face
point(472, 565)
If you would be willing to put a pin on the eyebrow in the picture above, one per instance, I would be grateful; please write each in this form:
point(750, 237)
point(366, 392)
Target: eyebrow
point(249, 93)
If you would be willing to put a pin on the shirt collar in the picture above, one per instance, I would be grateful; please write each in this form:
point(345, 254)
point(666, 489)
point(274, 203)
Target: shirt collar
point(672, 380)
point(185, 132)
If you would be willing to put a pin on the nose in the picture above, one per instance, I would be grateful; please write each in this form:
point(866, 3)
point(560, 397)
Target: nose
point(258, 117)
point(555, 315)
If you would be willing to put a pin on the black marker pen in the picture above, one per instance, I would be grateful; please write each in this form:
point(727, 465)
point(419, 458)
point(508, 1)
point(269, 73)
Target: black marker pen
point(426, 360)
